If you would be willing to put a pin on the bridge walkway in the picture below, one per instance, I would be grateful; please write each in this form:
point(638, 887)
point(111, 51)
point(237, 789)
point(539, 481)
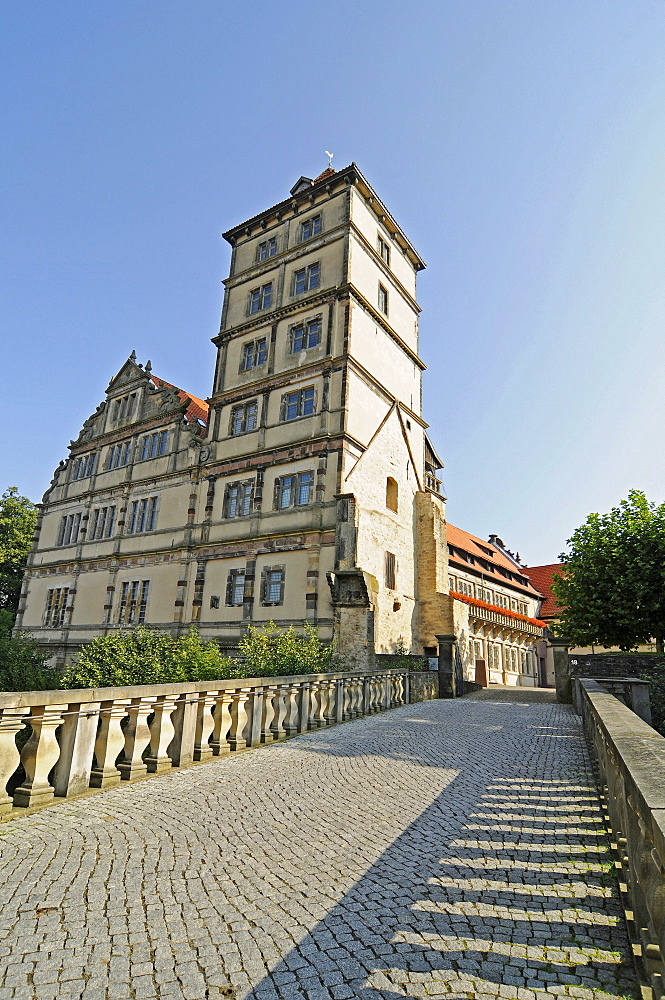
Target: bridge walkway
point(443, 849)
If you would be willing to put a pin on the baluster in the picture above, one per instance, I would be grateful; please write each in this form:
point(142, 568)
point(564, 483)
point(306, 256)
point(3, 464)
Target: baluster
point(222, 724)
point(277, 725)
point(162, 732)
point(386, 692)
point(323, 702)
point(305, 706)
point(12, 721)
point(205, 724)
point(267, 734)
point(109, 744)
point(291, 717)
point(347, 699)
point(239, 719)
point(39, 755)
point(330, 712)
point(137, 738)
point(358, 686)
point(77, 747)
point(315, 691)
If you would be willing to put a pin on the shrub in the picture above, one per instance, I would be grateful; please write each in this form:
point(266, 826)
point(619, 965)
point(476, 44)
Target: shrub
point(270, 653)
point(23, 665)
point(142, 656)
point(656, 676)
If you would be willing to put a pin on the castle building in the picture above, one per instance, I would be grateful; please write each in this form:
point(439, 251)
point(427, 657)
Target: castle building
point(304, 489)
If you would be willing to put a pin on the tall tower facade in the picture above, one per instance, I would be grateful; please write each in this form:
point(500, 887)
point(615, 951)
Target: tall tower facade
point(317, 442)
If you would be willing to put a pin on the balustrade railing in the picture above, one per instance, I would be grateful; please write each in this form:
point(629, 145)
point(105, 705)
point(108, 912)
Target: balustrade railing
point(631, 761)
point(97, 738)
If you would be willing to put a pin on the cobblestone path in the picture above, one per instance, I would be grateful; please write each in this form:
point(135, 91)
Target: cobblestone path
point(446, 849)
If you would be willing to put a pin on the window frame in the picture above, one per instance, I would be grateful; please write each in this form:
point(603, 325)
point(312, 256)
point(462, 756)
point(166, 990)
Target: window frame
point(55, 608)
point(295, 486)
point(244, 500)
point(143, 515)
point(119, 455)
point(154, 445)
point(68, 529)
point(308, 327)
point(271, 249)
point(233, 582)
point(133, 602)
point(266, 583)
point(302, 398)
point(383, 300)
point(390, 571)
point(311, 278)
point(383, 249)
point(84, 466)
point(310, 227)
point(103, 523)
point(263, 298)
point(244, 410)
point(254, 354)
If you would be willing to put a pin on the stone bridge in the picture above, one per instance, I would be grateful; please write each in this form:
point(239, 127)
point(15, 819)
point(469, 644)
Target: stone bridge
point(439, 849)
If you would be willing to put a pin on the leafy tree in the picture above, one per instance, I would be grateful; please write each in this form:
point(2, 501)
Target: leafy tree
point(612, 587)
point(23, 666)
point(271, 653)
point(18, 516)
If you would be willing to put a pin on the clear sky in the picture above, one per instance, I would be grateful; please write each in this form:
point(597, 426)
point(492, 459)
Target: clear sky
point(520, 144)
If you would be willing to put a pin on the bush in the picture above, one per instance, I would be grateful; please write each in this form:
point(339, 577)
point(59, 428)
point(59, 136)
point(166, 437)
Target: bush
point(143, 656)
point(656, 676)
point(23, 665)
point(270, 653)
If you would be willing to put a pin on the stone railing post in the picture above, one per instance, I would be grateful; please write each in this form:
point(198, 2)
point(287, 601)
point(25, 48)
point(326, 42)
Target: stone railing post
point(386, 692)
point(562, 681)
point(337, 711)
point(109, 744)
point(279, 703)
point(268, 714)
point(291, 717)
point(12, 721)
point(205, 724)
point(305, 710)
point(137, 738)
point(184, 721)
point(162, 732)
point(314, 705)
point(219, 742)
point(77, 746)
point(407, 687)
point(446, 665)
point(239, 719)
point(39, 755)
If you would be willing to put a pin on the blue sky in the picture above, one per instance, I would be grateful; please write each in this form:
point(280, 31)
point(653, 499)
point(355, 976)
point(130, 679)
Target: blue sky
point(519, 143)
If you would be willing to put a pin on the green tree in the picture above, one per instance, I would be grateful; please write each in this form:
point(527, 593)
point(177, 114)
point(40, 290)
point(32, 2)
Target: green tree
point(18, 516)
point(23, 666)
point(612, 587)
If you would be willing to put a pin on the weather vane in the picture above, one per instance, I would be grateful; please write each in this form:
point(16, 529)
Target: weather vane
point(330, 157)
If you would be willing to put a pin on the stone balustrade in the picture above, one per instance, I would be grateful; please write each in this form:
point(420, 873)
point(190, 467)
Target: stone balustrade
point(631, 761)
point(97, 738)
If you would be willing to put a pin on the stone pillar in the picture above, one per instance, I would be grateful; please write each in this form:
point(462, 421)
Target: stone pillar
point(12, 721)
point(39, 755)
point(560, 647)
point(447, 666)
point(184, 720)
point(77, 743)
point(162, 732)
point(205, 723)
point(137, 739)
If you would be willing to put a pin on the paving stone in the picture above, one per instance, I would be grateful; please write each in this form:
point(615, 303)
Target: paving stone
point(450, 848)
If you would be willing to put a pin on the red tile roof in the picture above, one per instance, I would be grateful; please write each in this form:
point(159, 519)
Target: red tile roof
point(541, 577)
point(489, 557)
point(328, 172)
point(197, 409)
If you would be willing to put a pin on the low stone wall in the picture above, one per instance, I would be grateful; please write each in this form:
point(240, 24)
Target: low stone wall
point(614, 664)
point(631, 761)
point(75, 740)
point(423, 685)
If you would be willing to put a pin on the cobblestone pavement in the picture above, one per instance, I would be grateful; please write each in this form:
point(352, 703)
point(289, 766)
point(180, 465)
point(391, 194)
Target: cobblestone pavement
point(446, 849)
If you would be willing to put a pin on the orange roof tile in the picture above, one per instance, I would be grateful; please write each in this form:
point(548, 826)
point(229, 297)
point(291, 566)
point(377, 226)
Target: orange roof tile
point(541, 577)
point(490, 557)
point(197, 409)
point(328, 172)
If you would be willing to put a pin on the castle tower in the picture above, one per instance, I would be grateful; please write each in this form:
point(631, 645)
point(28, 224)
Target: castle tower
point(316, 434)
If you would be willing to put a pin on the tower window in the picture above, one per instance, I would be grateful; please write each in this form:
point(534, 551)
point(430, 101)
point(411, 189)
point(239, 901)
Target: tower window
point(383, 300)
point(311, 227)
point(298, 404)
point(267, 249)
point(307, 278)
point(305, 335)
point(243, 417)
point(392, 494)
point(260, 298)
point(254, 354)
point(391, 571)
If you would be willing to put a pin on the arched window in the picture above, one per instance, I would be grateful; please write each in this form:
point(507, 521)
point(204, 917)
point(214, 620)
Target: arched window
point(392, 492)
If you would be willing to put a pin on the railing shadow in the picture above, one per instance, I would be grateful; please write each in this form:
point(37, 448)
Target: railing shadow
point(505, 879)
